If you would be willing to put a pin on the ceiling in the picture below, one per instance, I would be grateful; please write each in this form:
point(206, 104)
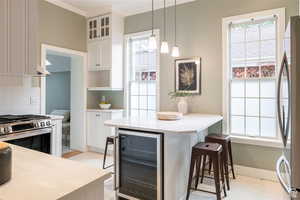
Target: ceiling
point(124, 7)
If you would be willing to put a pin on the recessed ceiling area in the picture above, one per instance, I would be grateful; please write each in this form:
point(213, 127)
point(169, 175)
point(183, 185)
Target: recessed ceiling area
point(124, 7)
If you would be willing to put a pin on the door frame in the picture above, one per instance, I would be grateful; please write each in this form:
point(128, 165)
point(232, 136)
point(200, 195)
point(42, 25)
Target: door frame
point(44, 48)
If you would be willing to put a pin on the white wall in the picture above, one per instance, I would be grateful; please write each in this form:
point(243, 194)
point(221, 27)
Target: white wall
point(22, 97)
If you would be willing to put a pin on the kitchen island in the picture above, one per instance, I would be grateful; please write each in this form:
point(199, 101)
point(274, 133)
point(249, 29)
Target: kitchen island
point(164, 146)
point(39, 176)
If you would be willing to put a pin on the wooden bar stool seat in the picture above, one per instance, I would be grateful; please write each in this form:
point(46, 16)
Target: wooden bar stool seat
point(109, 141)
point(225, 141)
point(213, 151)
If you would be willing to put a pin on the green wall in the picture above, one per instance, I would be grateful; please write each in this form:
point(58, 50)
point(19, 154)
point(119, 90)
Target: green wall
point(200, 34)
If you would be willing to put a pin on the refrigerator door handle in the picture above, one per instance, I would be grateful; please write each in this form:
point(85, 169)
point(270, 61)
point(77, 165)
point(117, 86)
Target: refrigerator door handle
point(283, 124)
point(279, 175)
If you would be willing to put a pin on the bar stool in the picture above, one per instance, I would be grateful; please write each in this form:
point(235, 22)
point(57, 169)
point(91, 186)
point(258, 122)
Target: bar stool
point(213, 151)
point(225, 141)
point(109, 141)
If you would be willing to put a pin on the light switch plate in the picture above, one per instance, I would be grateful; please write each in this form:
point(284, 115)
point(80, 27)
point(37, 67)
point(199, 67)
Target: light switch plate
point(34, 100)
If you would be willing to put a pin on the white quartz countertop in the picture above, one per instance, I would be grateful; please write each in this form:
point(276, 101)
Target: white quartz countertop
point(190, 123)
point(56, 117)
point(39, 176)
point(105, 110)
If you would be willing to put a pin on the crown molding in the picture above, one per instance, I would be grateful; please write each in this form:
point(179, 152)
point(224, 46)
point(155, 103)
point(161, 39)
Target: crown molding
point(68, 7)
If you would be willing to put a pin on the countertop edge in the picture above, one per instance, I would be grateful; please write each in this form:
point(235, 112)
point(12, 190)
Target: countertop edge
point(104, 110)
point(111, 123)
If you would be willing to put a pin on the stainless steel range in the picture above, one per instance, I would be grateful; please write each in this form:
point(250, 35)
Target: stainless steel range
point(29, 131)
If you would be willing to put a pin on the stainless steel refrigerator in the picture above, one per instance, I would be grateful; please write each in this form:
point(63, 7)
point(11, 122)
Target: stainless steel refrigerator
point(288, 108)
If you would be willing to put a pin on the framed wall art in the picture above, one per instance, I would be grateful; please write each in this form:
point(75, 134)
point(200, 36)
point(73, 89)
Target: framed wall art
point(188, 75)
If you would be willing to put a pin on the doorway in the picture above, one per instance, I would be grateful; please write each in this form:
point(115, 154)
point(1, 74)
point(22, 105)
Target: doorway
point(63, 93)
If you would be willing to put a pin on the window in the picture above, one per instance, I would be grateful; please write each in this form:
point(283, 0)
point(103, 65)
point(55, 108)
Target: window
point(142, 76)
point(251, 63)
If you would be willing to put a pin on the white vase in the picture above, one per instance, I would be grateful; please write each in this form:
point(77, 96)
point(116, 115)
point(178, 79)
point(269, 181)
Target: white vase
point(182, 105)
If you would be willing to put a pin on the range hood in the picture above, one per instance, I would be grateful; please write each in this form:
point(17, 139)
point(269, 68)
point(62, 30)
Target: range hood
point(41, 71)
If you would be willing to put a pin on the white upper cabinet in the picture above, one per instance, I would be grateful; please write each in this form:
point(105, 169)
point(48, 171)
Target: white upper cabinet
point(105, 26)
point(105, 52)
point(3, 36)
point(99, 27)
point(18, 37)
point(93, 29)
point(99, 55)
point(32, 37)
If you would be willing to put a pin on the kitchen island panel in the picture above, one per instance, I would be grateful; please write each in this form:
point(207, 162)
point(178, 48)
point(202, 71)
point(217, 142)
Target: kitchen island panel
point(177, 158)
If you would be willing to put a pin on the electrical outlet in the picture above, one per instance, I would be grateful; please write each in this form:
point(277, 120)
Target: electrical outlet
point(34, 100)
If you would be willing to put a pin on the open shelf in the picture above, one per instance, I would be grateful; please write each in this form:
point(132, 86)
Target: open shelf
point(104, 89)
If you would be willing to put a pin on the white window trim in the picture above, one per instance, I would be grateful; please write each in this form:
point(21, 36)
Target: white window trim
point(280, 13)
point(127, 71)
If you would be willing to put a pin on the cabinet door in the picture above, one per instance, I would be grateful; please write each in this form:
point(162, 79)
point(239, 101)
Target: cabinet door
point(104, 131)
point(105, 53)
point(93, 28)
point(32, 45)
point(17, 36)
point(92, 133)
point(105, 25)
point(93, 56)
point(3, 36)
point(97, 131)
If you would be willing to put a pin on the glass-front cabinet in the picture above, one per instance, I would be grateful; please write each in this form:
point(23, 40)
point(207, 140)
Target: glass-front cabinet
point(99, 27)
point(93, 28)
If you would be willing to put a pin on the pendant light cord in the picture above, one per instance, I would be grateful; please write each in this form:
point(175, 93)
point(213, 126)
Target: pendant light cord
point(175, 20)
point(152, 17)
point(165, 21)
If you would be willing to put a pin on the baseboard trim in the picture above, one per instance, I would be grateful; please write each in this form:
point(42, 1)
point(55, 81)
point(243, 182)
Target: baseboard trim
point(256, 173)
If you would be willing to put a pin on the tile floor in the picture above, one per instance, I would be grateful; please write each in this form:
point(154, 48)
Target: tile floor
point(243, 188)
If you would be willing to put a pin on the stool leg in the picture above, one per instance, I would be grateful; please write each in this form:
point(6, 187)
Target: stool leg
point(222, 175)
point(231, 160)
point(216, 166)
point(203, 168)
point(225, 164)
point(198, 171)
point(105, 153)
point(190, 176)
point(209, 166)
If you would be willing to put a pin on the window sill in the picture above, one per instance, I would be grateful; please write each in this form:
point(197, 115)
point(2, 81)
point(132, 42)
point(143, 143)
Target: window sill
point(257, 141)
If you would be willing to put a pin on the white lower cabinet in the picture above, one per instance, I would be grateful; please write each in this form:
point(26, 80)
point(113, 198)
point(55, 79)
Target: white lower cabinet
point(56, 137)
point(96, 131)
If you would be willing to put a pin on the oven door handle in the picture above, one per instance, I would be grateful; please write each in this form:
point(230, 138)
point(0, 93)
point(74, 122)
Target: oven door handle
point(116, 162)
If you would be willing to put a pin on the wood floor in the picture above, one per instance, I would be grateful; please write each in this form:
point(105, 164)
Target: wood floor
point(71, 154)
point(243, 188)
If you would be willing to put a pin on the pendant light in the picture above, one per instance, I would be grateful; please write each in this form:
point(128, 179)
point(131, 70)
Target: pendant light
point(164, 45)
point(152, 39)
point(175, 50)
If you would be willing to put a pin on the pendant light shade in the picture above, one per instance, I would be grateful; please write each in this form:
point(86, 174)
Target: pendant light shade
point(152, 42)
point(164, 49)
point(175, 50)
point(152, 39)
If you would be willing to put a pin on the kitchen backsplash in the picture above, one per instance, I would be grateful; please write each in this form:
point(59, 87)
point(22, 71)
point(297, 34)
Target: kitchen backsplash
point(19, 95)
point(115, 98)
